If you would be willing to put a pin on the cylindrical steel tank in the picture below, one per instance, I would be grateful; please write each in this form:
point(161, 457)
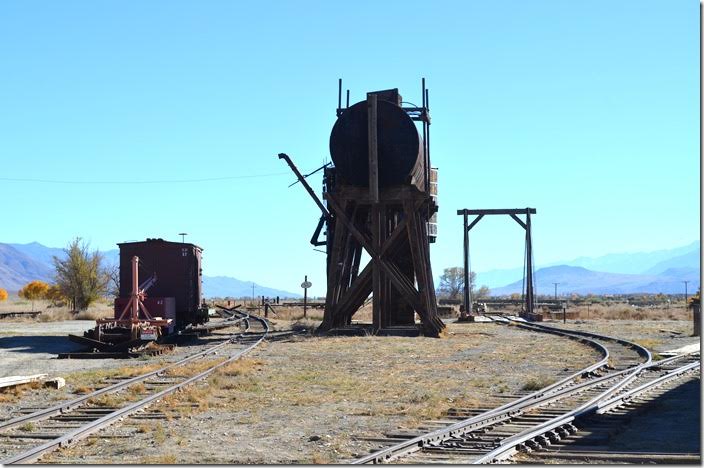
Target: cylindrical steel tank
point(400, 148)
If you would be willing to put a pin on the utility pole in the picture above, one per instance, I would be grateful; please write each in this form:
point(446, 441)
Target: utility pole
point(685, 294)
point(253, 303)
point(183, 236)
point(556, 290)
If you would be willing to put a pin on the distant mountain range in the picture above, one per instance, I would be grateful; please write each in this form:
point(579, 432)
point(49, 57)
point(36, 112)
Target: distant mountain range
point(572, 279)
point(650, 272)
point(661, 271)
point(22, 263)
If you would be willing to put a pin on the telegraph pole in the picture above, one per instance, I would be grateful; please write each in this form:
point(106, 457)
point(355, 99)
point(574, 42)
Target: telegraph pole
point(685, 294)
point(556, 290)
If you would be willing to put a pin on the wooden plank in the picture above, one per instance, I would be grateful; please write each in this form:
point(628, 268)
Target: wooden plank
point(373, 148)
point(355, 295)
point(342, 217)
point(376, 271)
point(498, 211)
point(333, 275)
point(20, 379)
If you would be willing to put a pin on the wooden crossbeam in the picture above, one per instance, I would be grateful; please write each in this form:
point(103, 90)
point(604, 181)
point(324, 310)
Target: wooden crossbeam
point(348, 290)
point(360, 288)
point(342, 217)
point(519, 221)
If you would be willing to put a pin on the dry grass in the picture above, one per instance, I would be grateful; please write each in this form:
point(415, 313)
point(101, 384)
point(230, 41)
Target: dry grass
point(15, 393)
point(240, 367)
point(137, 388)
point(137, 370)
point(51, 313)
point(409, 387)
point(305, 325)
point(86, 381)
point(28, 427)
point(112, 400)
point(160, 460)
point(321, 459)
point(55, 315)
point(83, 389)
point(342, 387)
point(192, 368)
point(628, 312)
point(537, 383)
point(94, 314)
point(648, 343)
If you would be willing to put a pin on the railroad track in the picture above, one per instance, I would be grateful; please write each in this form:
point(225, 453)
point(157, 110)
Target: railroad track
point(645, 416)
point(545, 417)
point(70, 421)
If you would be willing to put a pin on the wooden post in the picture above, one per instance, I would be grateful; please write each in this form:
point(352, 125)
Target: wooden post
point(305, 299)
point(529, 267)
point(696, 318)
point(374, 197)
point(467, 285)
point(373, 149)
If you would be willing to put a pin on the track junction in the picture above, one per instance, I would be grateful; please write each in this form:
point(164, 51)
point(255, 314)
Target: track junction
point(625, 373)
point(71, 421)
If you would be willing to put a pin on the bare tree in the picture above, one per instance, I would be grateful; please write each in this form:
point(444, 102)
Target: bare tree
point(452, 284)
point(113, 273)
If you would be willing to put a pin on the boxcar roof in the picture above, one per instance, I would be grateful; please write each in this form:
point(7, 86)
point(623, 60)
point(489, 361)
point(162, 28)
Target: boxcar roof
point(162, 241)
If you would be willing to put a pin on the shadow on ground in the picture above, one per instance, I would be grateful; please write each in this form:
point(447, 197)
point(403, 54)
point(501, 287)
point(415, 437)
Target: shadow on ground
point(38, 344)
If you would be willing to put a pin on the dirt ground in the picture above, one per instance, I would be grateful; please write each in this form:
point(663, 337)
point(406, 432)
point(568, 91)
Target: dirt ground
point(313, 400)
point(30, 347)
point(316, 399)
point(656, 335)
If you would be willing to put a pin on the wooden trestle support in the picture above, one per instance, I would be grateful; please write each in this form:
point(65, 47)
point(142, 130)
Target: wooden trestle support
point(393, 233)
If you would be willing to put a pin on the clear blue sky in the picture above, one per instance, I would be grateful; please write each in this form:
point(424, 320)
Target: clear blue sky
point(588, 111)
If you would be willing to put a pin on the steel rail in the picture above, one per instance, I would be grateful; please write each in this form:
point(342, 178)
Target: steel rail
point(618, 400)
point(509, 446)
point(643, 351)
point(513, 408)
point(94, 426)
point(65, 406)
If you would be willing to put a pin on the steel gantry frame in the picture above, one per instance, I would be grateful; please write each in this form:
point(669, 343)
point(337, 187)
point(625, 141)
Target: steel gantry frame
point(513, 213)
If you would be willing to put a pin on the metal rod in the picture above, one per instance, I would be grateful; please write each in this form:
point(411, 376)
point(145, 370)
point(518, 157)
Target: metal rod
point(305, 184)
point(339, 95)
point(427, 140)
point(426, 182)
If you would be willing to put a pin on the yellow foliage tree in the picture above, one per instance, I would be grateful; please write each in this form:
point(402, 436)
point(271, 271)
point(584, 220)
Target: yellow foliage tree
point(33, 291)
point(3, 295)
point(55, 295)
